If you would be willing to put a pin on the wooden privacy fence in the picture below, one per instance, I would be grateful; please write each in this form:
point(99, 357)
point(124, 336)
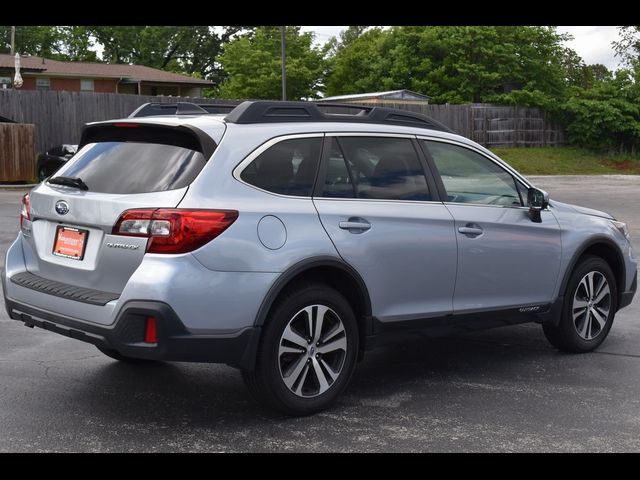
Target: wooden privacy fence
point(60, 116)
point(17, 152)
point(493, 125)
point(496, 125)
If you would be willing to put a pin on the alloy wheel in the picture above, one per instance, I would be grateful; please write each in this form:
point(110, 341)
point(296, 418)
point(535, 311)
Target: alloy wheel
point(312, 351)
point(591, 305)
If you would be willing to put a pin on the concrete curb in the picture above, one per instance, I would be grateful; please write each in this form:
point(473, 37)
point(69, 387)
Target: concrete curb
point(17, 187)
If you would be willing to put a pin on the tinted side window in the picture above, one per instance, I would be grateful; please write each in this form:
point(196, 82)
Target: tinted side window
point(381, 168)
point(288, 167)
point(338, 183)
point(524, 193)
point(469, 177)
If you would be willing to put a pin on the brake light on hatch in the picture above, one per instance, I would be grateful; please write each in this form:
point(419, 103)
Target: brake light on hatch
point(174, 230)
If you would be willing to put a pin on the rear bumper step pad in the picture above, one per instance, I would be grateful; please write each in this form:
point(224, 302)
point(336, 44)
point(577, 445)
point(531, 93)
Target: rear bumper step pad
point(63, 290)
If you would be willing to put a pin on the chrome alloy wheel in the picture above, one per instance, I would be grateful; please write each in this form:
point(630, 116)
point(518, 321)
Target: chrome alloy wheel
point(312, 351)
point(591, 305)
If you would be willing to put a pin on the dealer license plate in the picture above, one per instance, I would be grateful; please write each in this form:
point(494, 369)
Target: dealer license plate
point(70, 242)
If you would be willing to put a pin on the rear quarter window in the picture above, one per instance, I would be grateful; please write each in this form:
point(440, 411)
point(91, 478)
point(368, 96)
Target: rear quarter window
point(288, 168)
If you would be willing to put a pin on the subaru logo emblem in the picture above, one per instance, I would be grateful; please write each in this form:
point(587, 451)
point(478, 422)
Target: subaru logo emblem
point(62, 207)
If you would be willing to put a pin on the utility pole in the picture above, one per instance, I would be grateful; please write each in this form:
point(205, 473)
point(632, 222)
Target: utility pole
point(284, 63)
point(13, 41)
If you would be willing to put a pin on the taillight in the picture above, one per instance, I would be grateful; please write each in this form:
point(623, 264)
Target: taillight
point(26, 208)
point(174, 230)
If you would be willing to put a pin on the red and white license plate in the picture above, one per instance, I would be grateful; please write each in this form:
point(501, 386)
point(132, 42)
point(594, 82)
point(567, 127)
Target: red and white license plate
point(70, 242)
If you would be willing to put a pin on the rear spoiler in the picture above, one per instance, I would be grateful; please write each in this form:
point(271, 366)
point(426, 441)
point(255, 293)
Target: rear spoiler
point(185, 136)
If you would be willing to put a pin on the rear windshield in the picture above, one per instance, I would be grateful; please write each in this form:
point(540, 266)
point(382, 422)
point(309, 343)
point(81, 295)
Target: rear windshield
point(130, 167)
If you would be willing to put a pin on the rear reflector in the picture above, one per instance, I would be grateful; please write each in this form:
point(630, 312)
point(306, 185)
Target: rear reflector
point(151, 331)
point(174, 230)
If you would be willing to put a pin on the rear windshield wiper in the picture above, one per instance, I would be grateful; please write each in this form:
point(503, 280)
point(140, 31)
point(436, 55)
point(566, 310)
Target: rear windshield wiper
point(69, 182)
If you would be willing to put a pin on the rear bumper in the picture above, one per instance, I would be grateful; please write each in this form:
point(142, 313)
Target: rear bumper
point(126, 334)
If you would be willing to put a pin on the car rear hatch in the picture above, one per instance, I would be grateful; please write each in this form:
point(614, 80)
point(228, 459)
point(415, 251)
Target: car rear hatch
point(124, 165)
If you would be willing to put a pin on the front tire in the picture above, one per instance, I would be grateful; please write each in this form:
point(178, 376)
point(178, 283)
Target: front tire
point(590, 304)
point(308, 351)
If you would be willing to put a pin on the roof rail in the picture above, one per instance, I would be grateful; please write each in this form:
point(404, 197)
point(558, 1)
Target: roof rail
point(179, 108)
point(217, 108)
point(263, 111)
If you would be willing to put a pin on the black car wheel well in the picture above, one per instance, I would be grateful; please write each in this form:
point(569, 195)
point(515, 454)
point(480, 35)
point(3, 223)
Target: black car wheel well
point(609, 252)
point(333, 273)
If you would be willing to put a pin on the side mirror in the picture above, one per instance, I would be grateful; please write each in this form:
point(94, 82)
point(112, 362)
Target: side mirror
point(538, 200)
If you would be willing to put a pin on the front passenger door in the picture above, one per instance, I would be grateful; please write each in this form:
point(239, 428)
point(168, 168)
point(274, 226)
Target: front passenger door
point(505, 260)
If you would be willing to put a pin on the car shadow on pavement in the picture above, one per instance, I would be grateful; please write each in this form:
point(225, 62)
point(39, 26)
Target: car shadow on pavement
point(202, 395)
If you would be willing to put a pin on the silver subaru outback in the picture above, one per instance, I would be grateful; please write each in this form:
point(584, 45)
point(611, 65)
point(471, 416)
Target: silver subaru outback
point(286, 240)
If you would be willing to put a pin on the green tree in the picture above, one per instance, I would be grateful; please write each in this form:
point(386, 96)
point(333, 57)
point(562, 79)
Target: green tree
point(453, 64)
point(76, 44)
point(606, 116)
point(252, 63)
point(358, 65)
point(193, 50)
point(628, 47)
point(32, 40)
point(59, 43)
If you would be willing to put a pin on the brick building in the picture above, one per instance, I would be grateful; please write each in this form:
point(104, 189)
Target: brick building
point(39, 73)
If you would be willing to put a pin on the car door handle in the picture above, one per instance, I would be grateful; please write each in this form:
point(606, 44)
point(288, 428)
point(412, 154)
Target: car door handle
point(351, 224)
point(471, 231)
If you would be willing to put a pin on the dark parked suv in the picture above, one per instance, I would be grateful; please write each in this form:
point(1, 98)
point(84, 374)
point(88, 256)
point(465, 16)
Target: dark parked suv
point(50, 161)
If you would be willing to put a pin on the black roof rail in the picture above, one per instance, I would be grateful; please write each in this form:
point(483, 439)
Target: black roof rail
point(217, 108)
point(263, 111)
point(179, 108)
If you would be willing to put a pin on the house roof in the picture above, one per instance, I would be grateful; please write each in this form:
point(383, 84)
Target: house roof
point(391, 94)
point(98, 70)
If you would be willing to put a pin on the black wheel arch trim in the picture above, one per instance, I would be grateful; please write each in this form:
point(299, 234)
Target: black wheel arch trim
point(581, 250)
point(305, 265)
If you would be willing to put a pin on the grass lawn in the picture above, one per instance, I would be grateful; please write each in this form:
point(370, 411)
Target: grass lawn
point(567, 161)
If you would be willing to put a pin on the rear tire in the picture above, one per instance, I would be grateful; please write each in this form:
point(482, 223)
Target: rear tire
point(112, 353)
point(307, 353)
point(589, 308)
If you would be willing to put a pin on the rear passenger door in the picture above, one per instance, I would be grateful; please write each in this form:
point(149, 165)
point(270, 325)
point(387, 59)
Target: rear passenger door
point(380, 210)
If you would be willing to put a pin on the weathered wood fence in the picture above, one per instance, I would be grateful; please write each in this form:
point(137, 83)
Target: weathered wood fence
point(17, 152)
point(59, 116)
point(494, 125)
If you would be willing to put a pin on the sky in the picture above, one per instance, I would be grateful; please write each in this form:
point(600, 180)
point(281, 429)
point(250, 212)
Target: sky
point(593, 44)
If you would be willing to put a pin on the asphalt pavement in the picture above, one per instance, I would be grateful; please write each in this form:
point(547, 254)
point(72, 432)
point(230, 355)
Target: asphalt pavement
point(499, 390)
